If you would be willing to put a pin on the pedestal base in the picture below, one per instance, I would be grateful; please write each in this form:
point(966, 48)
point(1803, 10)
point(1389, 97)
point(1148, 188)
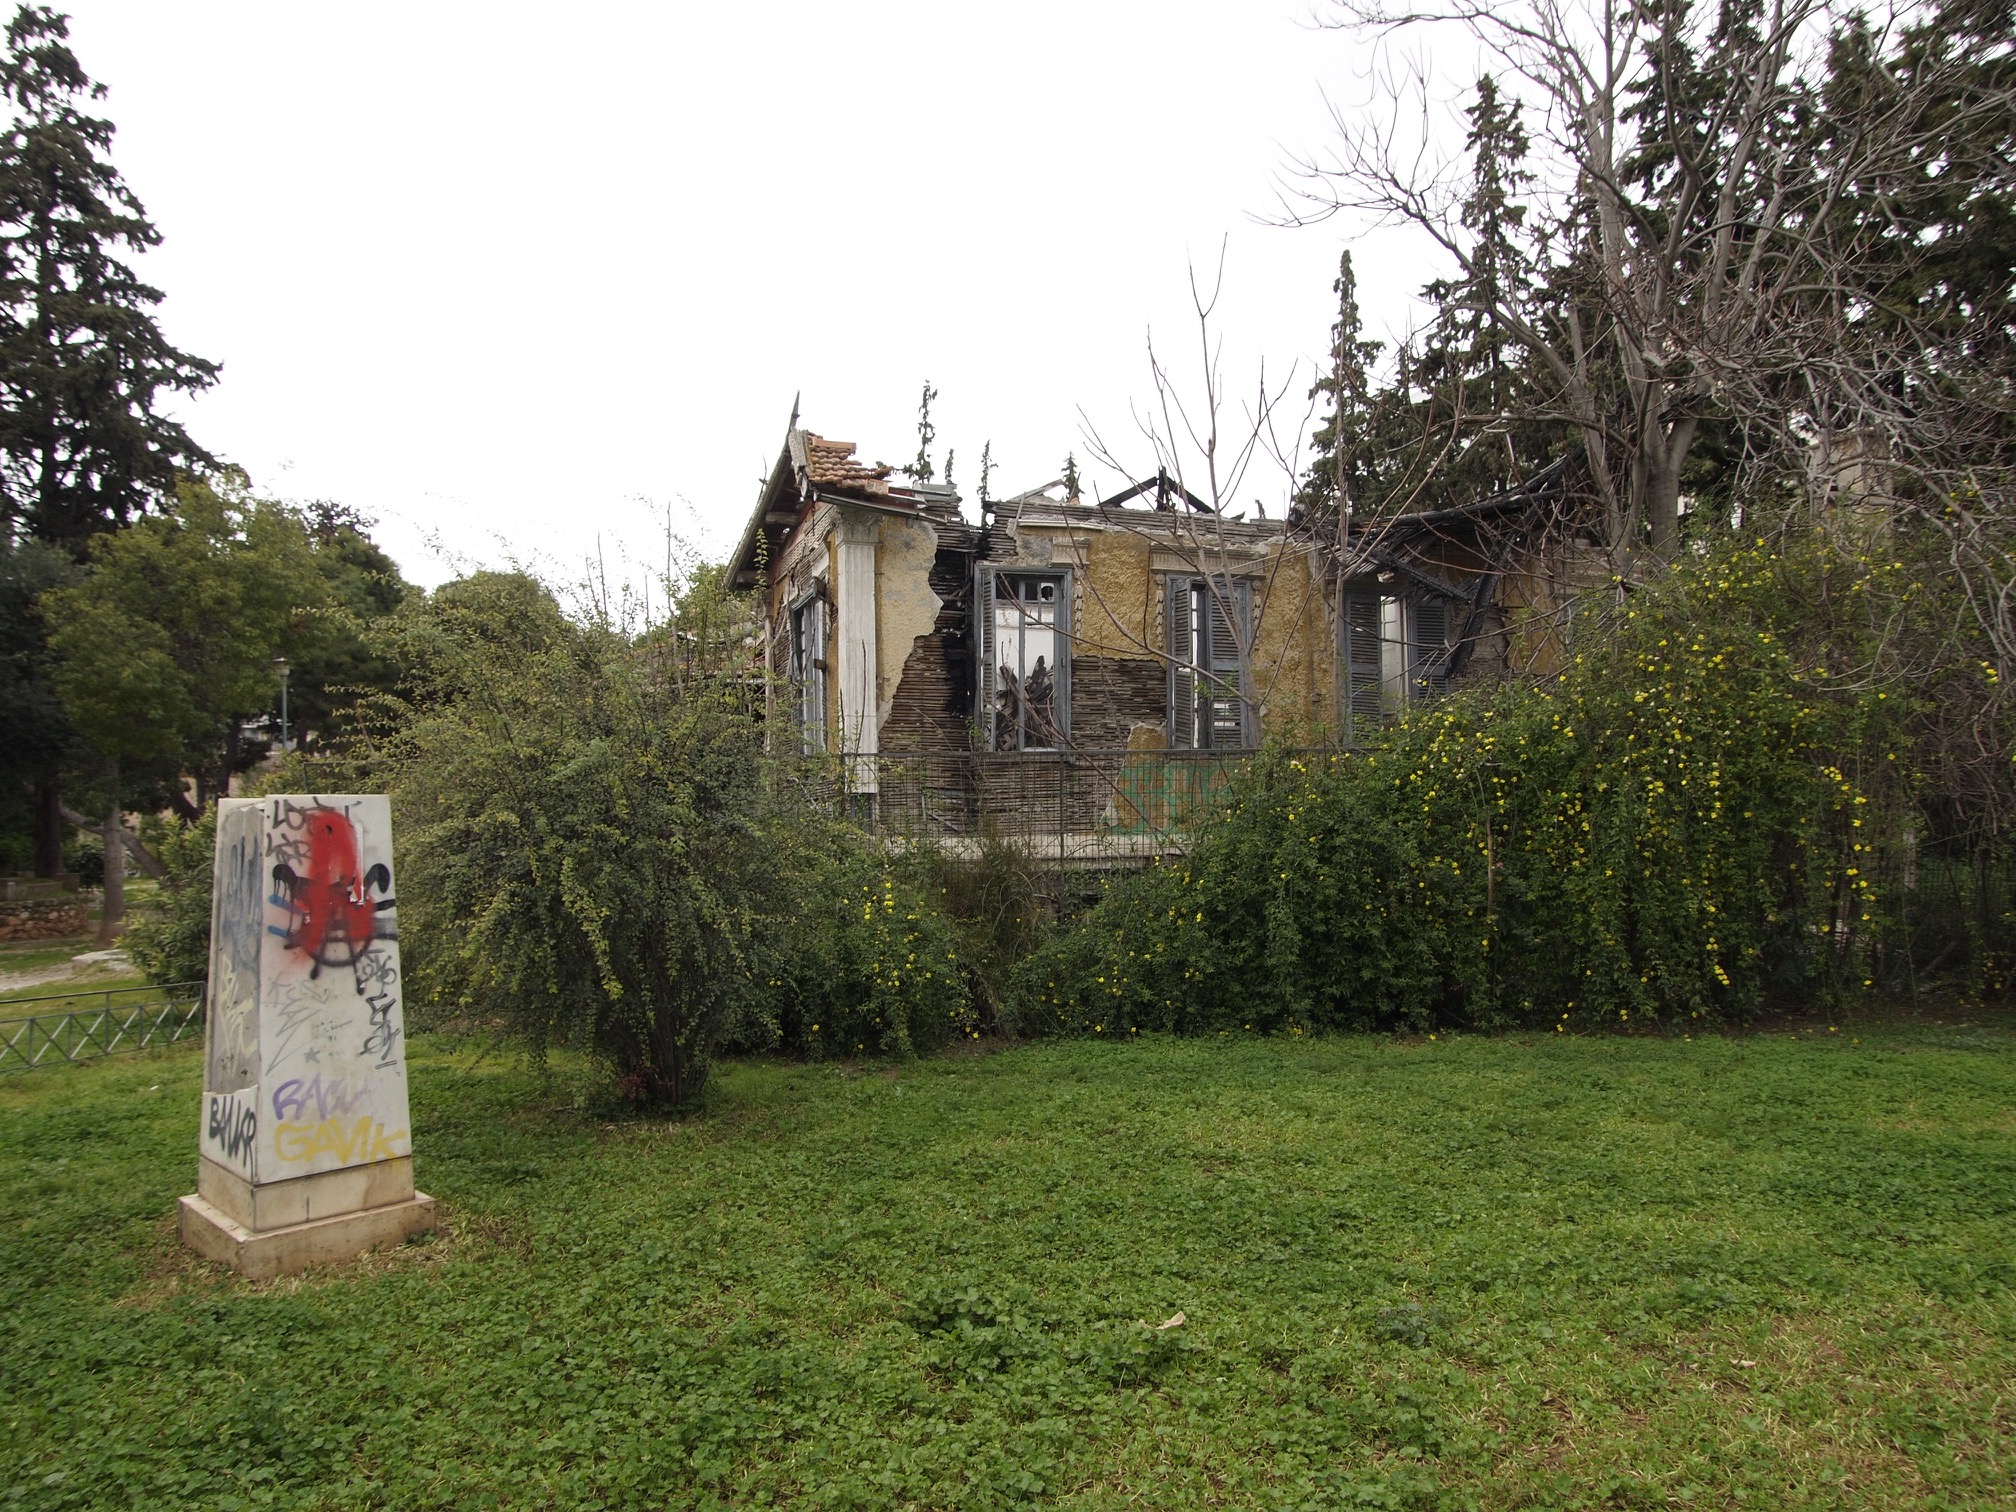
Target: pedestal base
point(320, 1241)
point(287, 1226)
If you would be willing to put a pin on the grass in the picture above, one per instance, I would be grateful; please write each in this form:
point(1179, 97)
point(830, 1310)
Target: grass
point(1771, 1271)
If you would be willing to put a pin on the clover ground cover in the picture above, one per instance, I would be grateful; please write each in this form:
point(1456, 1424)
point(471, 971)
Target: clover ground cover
point(1773, 1270)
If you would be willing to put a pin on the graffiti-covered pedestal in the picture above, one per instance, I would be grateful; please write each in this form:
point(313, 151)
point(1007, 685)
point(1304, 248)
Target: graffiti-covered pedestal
point(306, 1155)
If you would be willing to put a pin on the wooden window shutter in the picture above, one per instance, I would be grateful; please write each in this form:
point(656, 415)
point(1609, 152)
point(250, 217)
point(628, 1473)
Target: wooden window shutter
point(984, 675)
point(1178, 599)
point(1061, 673)
point(1428, 670)
point(1231, 610)
point(815, 675)
point(1361, 661)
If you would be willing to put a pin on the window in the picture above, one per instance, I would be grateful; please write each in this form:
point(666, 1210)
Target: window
point(1208, 620)
point(1396, 651)
point(808, 671)
point(1025, 659)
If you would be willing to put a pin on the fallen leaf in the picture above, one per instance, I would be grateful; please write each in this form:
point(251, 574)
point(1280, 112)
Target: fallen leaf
point(1175, 1322)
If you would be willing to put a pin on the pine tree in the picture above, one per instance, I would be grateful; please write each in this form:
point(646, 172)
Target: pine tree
point(82, 361)
point(1493, 214)
point(986, 470)
point(82, 447)
point(1341, 458)
point(1471, 367)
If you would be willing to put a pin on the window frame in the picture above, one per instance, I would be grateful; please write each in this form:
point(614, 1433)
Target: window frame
point(1385, 674)
point(1196, 659)
point(807, 656)
point(987, 578)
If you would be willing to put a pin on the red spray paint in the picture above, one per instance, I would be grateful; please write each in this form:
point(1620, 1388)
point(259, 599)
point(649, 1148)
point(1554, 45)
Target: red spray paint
point(334, 915)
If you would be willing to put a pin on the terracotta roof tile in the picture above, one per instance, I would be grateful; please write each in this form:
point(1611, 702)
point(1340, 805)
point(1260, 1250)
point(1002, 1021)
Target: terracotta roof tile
point(832, 464)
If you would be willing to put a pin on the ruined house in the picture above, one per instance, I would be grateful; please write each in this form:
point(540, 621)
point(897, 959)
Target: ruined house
point(1084, 669)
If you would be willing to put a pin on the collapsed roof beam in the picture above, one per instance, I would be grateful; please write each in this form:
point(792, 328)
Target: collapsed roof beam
point(1167, 491)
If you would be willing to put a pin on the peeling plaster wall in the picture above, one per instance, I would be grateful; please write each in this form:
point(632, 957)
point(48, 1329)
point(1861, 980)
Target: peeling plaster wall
point(1119, 674)
point(1294, 656)
point(906, 606)
point(932, 709)
point(1116, 609)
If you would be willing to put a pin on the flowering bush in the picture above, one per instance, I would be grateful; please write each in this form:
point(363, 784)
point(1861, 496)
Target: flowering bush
point(880, 974)
point(1671, 829)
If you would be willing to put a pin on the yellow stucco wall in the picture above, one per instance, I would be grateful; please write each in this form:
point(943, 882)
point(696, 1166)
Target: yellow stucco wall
point(1294, 657)
point(1117, 611)
point(905, 606)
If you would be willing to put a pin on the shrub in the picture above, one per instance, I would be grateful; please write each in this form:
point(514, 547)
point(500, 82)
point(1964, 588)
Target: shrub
point(890, 980)
point(170, 942)
point(590, 848)
point(599, 850)
point(1669, 830)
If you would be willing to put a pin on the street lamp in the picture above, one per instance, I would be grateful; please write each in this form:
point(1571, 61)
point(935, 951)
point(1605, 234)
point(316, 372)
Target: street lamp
point(280, 666)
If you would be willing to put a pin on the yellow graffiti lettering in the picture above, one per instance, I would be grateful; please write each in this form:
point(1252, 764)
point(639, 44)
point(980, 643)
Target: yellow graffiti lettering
point(353, 1141)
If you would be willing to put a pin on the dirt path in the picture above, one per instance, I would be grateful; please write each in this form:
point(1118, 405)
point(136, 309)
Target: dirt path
point(84, 971)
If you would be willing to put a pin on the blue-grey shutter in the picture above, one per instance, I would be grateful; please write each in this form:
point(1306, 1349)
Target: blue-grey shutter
point(1226, 716)
point(983, 654)
point(1428, 627)
point(1060, 676)
point(1361, 662)
point(814, 720)
point(1177, 598)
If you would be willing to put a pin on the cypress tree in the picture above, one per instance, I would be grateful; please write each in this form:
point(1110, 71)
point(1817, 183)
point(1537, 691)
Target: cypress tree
point(1340, 447)
point(82, 360)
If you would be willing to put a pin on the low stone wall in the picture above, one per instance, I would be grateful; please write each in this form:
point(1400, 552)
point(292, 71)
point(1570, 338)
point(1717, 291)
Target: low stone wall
point(44, 918)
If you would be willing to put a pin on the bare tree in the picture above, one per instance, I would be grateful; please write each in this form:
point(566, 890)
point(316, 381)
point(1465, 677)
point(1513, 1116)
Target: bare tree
point(1209, 454)
point(1665, 181)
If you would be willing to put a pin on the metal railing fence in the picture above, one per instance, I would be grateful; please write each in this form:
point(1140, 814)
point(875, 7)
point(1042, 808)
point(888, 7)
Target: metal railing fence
point(112, 1021)
point(1088, 806)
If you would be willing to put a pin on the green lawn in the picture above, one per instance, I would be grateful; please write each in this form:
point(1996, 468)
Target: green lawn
point(1769, 1271)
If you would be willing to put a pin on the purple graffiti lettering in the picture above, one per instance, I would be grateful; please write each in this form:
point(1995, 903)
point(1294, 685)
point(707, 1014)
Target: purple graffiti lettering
point(337, 1097)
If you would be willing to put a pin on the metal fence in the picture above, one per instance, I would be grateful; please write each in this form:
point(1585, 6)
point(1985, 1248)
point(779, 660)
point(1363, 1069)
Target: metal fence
point(74, 1026)
point(1087, 807)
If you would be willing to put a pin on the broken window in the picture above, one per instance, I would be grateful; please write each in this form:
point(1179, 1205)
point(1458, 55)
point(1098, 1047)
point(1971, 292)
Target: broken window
point(1396, 652)
point(1025, 659)
point(1209, 621)
point(808, 671)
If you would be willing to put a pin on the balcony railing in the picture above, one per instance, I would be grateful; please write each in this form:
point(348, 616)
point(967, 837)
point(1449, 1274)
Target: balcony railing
point(1090, 807)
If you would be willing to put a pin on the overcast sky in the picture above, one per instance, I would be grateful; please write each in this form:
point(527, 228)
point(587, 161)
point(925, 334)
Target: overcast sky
point(514, 278)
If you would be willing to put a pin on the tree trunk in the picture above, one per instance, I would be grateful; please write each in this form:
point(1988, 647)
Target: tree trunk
point(114, 911)
point(229, 764)
point(1664, 457)
point(48, 829)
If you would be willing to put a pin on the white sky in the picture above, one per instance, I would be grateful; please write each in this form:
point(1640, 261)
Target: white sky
point(519, 277)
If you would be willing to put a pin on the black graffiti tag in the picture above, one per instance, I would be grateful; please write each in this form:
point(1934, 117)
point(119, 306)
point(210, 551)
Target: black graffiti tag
point(233, 1128)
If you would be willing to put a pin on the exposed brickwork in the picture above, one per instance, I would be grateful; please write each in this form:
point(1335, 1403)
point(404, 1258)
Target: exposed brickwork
point(932, 709)
point(1112, 694)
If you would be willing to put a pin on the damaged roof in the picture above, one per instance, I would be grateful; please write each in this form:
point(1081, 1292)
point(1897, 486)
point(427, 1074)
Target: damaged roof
point(831, 464)
point(809, 467)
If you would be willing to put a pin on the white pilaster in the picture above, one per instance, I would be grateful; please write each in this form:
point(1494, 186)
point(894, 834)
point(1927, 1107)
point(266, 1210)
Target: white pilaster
point(854, 594)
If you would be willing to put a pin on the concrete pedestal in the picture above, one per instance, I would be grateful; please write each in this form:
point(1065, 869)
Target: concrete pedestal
point(280, 1227)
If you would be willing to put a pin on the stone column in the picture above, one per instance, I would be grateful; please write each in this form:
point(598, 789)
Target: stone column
point(305, 1152)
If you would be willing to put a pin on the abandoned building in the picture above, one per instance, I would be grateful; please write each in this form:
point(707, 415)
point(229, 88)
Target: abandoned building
point(1083, 671)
